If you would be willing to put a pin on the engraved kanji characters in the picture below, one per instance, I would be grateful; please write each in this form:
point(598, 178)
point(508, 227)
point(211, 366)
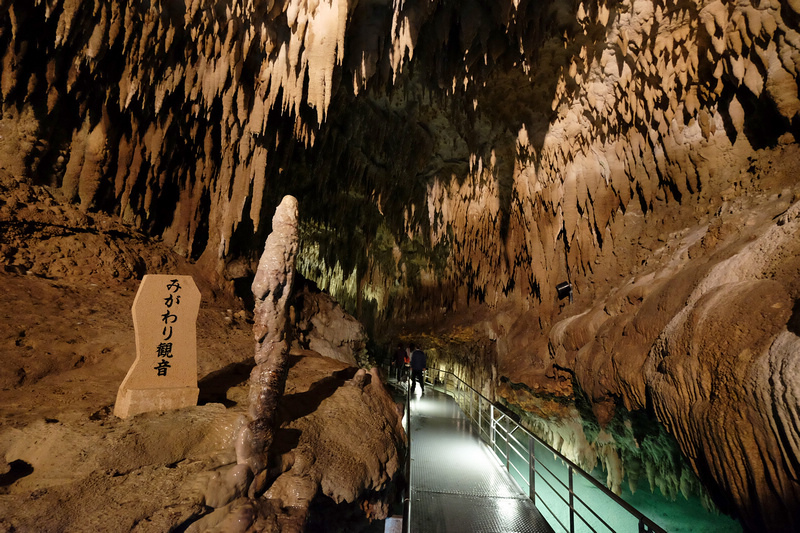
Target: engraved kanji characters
point(164, 349)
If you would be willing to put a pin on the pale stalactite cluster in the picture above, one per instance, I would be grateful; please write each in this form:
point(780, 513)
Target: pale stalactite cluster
point(473, 207)
point(641, 86)
point(189, 87)
point(649, 98)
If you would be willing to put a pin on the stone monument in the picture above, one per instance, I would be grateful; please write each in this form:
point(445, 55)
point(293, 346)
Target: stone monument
point(164, 374)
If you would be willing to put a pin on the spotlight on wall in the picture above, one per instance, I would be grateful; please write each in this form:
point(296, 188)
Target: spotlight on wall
point(564, 290)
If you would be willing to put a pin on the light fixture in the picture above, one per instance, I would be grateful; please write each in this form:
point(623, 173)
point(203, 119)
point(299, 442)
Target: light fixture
point(564, 290)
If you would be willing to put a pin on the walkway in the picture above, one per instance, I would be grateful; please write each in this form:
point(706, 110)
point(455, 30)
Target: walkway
point(457, 485)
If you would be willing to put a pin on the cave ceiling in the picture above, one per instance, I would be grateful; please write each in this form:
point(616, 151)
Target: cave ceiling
point(461, 150)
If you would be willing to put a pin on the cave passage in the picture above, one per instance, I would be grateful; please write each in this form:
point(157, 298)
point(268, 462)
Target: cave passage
point(588, 209)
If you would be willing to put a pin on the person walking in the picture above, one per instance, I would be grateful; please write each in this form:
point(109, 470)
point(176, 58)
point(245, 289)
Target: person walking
point(419, 363)
point(399, 362)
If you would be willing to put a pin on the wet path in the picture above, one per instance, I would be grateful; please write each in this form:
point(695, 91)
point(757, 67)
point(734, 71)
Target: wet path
point(457, 485)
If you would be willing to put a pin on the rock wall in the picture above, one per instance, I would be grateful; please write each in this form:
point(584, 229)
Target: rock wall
point(325, 328)
point(664, 175)
point(700, 336)
point(662, 188)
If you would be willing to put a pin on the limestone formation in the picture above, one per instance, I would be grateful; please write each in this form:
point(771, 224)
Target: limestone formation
point(324, 327)
point(272, 287)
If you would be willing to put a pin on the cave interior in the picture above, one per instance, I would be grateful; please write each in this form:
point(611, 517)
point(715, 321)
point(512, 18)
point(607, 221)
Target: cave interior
point(587, 210)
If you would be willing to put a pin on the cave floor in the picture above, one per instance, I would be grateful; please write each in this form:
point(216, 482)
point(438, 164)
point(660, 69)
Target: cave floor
point(456, 484)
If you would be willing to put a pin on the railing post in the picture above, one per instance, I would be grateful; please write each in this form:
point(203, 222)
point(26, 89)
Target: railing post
point(407, 502)
point(531, 469)
point(480, 419)
point(571, 505)
point(491, 427)
point(508, 445)
point(471, 405)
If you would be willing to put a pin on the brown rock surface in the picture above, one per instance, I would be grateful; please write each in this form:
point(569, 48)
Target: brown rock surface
point(702, 334)
point(325, 327)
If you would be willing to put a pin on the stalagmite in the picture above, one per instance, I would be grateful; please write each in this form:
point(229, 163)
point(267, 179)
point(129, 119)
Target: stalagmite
point(271, 288)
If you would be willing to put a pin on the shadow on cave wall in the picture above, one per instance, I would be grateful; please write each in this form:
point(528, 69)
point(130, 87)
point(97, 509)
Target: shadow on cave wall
point(763, 123)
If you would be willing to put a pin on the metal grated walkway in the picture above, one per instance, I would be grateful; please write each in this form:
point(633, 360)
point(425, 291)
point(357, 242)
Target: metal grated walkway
point(457, 485)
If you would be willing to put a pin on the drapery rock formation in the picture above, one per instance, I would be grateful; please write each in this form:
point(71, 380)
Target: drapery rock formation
point(703, 339)
point(456, 161)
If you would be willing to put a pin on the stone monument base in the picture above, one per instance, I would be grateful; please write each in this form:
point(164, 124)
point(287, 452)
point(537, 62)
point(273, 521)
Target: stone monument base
point(134, 401)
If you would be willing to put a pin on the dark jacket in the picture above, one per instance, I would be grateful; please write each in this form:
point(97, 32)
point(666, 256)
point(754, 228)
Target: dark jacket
point(399, 357)
point(418, 360)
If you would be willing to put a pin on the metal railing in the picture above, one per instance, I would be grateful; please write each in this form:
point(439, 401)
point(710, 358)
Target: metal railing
point(407, 490)
point(553, 482)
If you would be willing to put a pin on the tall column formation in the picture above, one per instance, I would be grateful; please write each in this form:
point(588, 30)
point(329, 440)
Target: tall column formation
point(271, 288)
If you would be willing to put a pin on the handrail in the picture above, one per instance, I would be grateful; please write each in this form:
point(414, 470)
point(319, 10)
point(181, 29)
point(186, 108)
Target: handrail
point(645, 524)
point(407, 500)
